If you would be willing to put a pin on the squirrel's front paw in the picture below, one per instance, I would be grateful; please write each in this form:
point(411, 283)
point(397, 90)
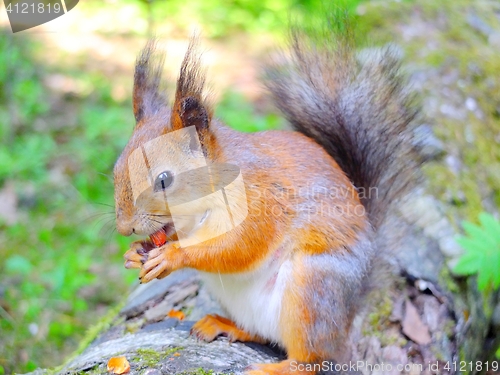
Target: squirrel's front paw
point(136, 256)
point(161, 261)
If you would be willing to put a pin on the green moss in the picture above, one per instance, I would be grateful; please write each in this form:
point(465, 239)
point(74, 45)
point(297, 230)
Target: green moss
point(172, 351)
point(472, 140)
point(135, 325)
point(199, 371)
point(150, 357)
point(373, 21)
point(377, 323)
point(93, 371)
point(436, 350)
point(461, 354)
point(187, 311)
point(449, 329)
point(448, 281)
point(378, 318)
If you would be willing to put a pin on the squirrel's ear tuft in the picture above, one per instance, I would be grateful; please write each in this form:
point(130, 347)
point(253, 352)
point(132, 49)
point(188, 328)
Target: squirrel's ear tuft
point(148, 98)
point(191, 105)
point(192, 112)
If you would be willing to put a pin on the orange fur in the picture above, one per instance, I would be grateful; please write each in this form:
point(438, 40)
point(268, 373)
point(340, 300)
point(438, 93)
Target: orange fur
point(296, 317)
point(211, 326)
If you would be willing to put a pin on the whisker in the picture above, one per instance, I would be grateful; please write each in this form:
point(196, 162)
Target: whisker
point(101, 219)
point(221, 283)
point(169, 216)
point(104, 226)
point(92, 218)
point(109, 177)
point(109, 232)
point(100, 213)
point(104, 204)
point(153, 227)
point(158, 222)
point(110, 235)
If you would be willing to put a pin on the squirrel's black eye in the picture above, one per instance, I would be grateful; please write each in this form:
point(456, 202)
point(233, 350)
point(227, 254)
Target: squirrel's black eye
point(163, 181)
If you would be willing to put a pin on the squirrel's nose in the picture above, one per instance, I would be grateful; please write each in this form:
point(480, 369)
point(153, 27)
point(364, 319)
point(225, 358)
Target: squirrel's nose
point(124, 228)
point(124, 224)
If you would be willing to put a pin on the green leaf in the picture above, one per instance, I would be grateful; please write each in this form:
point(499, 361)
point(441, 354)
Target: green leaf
point(468, 264)
point(479, 234)
point(482, 252)
point(472, 245)
point(18, 264)
point(491, 226)
point(495, 263)
point(31, 365)
point(483, 280)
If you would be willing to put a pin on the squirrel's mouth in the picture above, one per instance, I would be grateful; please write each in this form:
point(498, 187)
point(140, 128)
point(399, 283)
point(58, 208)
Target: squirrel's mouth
point(160, 237)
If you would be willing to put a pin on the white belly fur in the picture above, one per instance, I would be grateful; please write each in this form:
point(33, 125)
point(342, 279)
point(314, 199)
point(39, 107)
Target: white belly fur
point(253, 299)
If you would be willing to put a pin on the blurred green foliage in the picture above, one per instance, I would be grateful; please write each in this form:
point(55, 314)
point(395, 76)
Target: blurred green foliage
point(235, 111)
point(218, 19)
point(482, 252)
point(222, 18)
point(58, 165)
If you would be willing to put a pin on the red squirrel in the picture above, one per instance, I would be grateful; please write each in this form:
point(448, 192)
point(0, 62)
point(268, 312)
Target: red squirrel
point(295, 269)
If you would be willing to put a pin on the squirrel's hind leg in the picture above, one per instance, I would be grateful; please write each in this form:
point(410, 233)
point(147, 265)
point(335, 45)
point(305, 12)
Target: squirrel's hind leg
point(211, 326)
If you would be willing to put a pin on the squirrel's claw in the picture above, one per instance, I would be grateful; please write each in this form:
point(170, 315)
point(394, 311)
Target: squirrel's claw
point(135, 256)
point(160, 270)
point(207, 329)
point(158, 262)
point(131, 265)
point(211, 326)
point(155, 266)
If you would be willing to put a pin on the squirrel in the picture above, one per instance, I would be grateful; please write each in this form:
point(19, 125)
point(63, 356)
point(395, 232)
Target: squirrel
point(297, 266)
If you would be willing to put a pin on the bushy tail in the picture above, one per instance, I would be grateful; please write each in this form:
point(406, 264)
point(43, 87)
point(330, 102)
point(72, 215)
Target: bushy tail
point(357, 107)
